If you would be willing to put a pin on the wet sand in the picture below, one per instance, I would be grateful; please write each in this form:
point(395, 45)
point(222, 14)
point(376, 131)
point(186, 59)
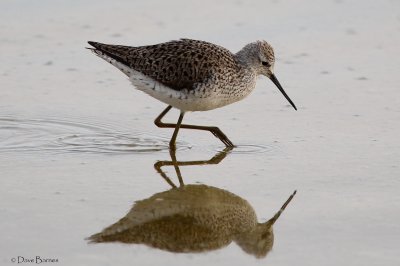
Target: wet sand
point(78, 143)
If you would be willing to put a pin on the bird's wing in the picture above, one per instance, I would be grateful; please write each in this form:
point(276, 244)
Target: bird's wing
point(177, 64)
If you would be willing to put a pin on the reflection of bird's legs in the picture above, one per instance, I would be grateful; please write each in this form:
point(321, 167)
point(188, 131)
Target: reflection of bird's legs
point(158, 166)
point(214, 160)
point(172, 153)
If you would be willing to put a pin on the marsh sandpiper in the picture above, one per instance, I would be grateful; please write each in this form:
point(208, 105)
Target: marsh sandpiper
point(192, 75)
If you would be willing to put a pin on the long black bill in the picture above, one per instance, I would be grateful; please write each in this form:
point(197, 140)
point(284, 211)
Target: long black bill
point(276, 82)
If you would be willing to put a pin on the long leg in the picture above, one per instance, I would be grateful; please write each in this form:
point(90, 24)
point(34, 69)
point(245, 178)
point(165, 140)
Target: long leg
point(214, 130)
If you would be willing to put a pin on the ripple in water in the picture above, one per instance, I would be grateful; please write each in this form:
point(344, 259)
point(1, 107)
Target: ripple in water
point(27, 135)
point(253, 148)
point(250, 149)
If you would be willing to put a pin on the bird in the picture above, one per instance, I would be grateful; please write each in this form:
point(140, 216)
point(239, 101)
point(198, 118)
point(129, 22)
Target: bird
point(192, 75)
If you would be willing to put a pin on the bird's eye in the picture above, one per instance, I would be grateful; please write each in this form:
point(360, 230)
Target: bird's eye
point(266, 64)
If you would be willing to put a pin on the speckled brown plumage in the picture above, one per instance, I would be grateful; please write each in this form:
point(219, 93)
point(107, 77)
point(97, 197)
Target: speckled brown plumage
point(177, 64)
point(197, 75)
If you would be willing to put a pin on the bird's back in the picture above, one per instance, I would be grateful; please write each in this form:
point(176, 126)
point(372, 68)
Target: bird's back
point(177, 64)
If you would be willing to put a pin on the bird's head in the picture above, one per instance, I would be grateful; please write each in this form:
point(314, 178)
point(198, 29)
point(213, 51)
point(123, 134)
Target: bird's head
point(260, 57)
point(266, 58)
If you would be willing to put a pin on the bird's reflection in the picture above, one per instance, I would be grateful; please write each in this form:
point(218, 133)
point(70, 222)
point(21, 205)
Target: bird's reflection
point(193, 218)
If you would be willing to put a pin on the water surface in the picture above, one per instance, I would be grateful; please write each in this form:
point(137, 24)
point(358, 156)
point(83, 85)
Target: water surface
point(78, 144)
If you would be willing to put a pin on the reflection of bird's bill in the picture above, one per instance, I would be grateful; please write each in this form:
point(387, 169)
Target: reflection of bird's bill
point(276, 82)
point(276, 216)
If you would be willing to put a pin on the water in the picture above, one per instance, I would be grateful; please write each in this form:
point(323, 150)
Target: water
point(78, 146)
point(61, 136)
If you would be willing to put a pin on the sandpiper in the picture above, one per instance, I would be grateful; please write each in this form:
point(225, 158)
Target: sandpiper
point(192, 75)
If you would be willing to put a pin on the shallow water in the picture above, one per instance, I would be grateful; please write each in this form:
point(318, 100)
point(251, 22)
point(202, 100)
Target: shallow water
point(67, 136)
point(78, 146)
